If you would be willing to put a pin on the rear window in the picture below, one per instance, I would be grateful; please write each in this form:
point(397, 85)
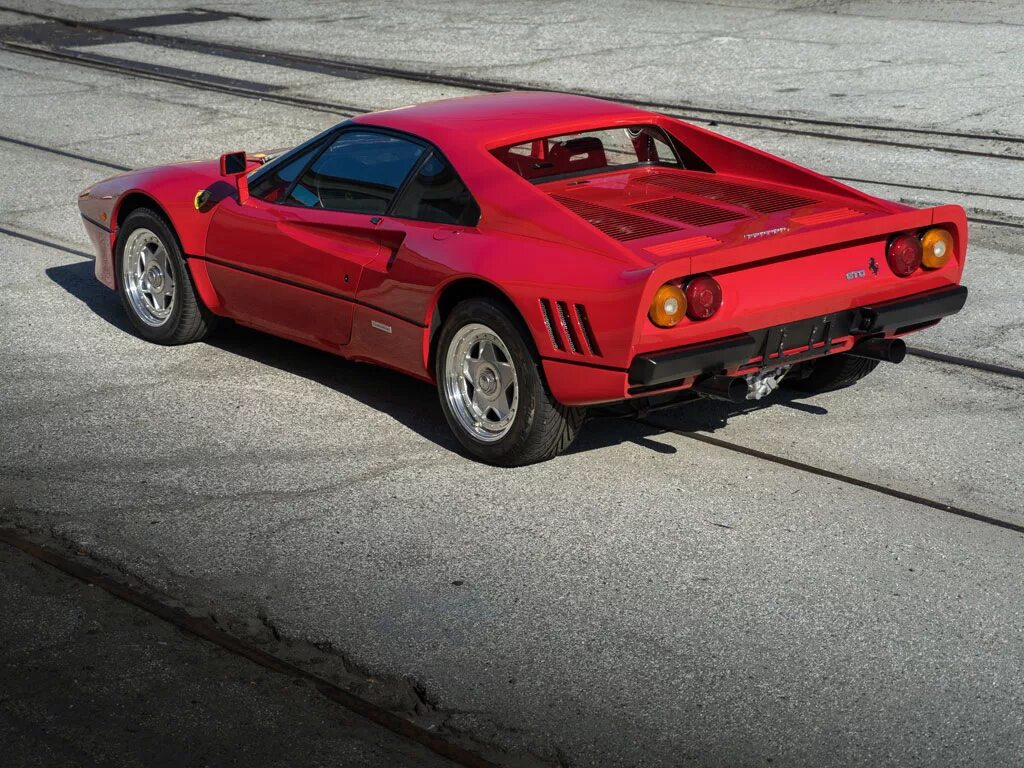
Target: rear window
point(589, 152)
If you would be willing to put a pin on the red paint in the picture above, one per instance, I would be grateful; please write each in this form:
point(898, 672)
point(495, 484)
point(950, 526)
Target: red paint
point(781, 251)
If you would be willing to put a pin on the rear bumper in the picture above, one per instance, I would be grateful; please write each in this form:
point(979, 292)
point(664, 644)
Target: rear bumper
point(793, 342)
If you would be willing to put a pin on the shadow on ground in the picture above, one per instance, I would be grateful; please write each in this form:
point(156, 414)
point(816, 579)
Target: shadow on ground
point(414, 403)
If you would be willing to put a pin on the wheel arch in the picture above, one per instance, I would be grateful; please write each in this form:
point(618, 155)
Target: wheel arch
point(136, 199)
point(462, 289)
point(132, 201)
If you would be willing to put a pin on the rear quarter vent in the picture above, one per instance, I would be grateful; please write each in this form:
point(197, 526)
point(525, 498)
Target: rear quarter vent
point(569, 328)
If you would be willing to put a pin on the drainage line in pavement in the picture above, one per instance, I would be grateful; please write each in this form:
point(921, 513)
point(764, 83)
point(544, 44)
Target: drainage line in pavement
point(63, 153)
point(284, 59)
point(799, 465)
point(940, 357)
point(342, 110)
point(925, 354)
point(207, 630)
point(47, 243)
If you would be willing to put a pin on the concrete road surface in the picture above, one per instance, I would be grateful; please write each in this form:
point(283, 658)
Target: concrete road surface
point(647, 598)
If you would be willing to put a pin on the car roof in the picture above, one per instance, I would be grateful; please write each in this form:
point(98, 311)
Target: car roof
point(496, 119)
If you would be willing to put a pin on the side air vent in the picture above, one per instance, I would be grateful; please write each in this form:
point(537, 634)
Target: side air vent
point(569, 328)
point(549, 323)
point(754, 198)
point(621, 225)
point(688, 211)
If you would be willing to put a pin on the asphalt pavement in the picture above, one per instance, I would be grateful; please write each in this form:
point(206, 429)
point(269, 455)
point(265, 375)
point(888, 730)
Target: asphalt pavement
point(646, 599)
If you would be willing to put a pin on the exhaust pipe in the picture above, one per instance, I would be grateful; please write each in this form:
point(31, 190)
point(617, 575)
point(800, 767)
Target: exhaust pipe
point(886, 350)
point(732, 389)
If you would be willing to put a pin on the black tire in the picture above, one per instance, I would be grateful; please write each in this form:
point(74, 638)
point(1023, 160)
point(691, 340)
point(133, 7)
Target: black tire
point(188, 320)
point(541, 427)
point(833, 372)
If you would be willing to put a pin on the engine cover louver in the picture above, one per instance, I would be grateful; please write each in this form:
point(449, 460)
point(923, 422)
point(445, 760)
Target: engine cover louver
point(749, 196)
point(826, 217)
point(690, 212)
point(620, 225)
point(569, 327)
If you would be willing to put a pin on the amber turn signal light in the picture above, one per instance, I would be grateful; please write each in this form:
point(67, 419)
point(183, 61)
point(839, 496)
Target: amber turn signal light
point(936, 248)
point(668, 306)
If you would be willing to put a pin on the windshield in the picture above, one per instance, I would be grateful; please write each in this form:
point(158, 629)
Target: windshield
point(589, 152)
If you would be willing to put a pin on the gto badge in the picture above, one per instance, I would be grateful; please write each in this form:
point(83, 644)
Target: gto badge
point(856, 274)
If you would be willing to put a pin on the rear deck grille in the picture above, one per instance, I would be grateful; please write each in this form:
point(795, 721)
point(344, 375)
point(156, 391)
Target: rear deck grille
point(620, 225)
point(754, 198)
point(688, 211)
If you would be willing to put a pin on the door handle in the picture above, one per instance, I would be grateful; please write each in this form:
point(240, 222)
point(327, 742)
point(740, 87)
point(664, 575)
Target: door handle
point(376, 220)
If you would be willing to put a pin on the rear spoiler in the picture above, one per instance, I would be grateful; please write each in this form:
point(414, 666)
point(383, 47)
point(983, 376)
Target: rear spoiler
point(760, 250)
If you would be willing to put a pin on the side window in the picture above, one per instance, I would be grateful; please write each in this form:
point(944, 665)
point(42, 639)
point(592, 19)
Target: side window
point(360, 172)
point(437, 194)
point(272, 184)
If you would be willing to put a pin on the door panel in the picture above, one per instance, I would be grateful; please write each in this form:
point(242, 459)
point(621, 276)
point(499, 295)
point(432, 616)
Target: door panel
point(290, 270)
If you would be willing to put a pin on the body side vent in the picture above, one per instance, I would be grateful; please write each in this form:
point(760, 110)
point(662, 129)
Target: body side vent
point(549, 323)
point(569, 327)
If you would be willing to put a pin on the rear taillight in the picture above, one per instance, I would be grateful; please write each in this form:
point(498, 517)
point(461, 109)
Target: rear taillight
point(668, 306)
point(904, 254)
point(703, 297)
point(936, 248)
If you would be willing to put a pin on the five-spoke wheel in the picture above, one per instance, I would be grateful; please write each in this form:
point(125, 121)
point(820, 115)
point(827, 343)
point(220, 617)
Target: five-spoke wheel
point(492, 388)
point(154, 283)
point(481, 383)
point(148, 277)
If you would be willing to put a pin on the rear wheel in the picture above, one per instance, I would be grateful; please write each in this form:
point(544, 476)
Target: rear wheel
point(153, 281)
point(492, 392)
point(833, 372)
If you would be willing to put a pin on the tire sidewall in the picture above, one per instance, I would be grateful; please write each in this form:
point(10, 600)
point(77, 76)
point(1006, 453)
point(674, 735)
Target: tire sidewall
point(527, 377)
point(151, 221)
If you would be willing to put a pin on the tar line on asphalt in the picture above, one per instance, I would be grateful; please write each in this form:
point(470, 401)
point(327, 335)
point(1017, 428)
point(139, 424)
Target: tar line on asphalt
point(207, 630)
point(239, 88)
point(839, 477)
point(778, 123)
point(925, 354)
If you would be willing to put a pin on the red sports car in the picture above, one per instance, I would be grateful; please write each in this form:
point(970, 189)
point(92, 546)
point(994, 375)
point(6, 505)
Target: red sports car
point(533, 254)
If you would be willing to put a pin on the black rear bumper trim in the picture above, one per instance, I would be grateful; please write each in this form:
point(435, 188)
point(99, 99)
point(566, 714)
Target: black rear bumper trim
point(815, 333)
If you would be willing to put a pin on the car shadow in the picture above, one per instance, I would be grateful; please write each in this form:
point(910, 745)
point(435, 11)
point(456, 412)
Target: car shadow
point(413, 403)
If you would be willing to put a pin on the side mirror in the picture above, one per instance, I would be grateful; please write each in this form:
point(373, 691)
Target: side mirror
point(234, 164)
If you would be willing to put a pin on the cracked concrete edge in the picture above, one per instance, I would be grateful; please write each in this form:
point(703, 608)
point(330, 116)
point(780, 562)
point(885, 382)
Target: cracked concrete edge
point(404, 696)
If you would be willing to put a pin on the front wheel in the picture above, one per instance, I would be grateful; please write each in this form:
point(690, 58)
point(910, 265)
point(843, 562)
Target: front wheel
point(492, 392)
point(155, 286)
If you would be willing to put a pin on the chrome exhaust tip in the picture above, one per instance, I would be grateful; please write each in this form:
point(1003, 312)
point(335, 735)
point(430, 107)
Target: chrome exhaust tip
point(732, 389)
point(886, 350)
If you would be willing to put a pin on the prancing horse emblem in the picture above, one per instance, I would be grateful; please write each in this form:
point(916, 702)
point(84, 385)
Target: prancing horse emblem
point(873, 265)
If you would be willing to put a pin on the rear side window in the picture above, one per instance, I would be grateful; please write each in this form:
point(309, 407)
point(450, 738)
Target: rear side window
point(589, 152)
point(437, 194)
point(360, 173)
